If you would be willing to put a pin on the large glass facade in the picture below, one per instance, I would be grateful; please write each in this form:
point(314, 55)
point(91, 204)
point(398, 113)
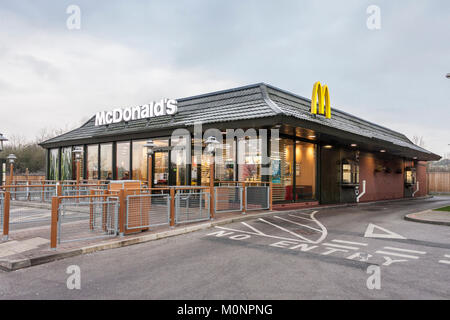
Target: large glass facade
point(92, 162)
point(106, 161)
point(123, 161)
point(66, 163)
point(53, 166)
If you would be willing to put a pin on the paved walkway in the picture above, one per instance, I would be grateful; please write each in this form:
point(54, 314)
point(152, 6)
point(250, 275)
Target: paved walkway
point(430, 216)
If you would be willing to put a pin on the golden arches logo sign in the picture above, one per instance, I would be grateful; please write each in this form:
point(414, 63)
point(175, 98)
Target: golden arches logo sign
point(322, 94)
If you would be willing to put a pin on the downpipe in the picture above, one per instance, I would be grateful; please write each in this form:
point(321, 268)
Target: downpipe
point(417, 190)
point(363, 191)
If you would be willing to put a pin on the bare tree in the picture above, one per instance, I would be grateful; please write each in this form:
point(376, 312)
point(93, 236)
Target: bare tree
point(419, 141)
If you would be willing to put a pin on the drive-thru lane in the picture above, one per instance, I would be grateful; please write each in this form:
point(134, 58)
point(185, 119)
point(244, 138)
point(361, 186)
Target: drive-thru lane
point(321, 253)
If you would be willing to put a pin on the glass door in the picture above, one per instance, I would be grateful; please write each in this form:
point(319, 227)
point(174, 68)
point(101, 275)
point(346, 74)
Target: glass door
point(161, 169)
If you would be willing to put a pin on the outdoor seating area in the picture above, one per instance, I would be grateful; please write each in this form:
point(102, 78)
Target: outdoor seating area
point(68, 211)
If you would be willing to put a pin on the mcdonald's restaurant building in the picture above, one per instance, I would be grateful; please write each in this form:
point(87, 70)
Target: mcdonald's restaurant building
point(312, 154)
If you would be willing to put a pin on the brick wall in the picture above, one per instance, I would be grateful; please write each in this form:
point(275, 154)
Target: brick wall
point(421, 174)
point(381, 185)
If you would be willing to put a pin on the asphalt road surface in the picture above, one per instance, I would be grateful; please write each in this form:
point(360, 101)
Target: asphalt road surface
point(320, 254)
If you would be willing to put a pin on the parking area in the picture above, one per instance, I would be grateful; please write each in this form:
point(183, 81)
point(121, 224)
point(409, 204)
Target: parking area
point(321, 253)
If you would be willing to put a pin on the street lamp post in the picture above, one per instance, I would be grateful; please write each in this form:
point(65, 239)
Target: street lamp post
point(150, 145)
point(78, 152)
point(11, 159)
point(211, 144)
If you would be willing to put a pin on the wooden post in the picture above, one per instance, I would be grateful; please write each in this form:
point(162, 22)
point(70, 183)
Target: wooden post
point(172, 207)
point(270, 196)
point(11, 173)
point(78, 172)
point(26, 174)
point(59, 190)
point(211, 188)
point(244, 199)
point(54, 223)
point(6, 203)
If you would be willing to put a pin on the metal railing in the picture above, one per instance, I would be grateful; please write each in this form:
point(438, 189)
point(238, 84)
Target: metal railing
point(147, 210)
point(192, 206)
point(228, 198)
point(257, 198)
point(96, 217)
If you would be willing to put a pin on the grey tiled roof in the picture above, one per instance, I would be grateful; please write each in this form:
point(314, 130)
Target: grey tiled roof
point(244, 103)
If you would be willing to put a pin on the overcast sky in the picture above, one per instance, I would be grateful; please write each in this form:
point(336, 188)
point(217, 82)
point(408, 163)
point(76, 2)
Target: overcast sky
point(132, 52)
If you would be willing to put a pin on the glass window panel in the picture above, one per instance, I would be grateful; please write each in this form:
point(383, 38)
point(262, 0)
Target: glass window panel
point(66, 163)
point(161, 171)
point(305, 177)
point(139, 171)
point(123, 161)
point(178, 158)
point(53, 172)
point(92, 162)
point(250, 161)
point(74, 165)
point(282, 170)
point(106, 161)
point(226, 164)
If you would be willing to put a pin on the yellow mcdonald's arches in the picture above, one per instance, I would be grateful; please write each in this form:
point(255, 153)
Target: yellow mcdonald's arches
point(323, 93)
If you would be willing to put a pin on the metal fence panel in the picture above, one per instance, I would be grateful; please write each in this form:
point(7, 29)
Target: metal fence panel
point(33, 193)
point(97, 218)
point(147, 210)
point(228, 199)
point(192, 206)
point(257, 198)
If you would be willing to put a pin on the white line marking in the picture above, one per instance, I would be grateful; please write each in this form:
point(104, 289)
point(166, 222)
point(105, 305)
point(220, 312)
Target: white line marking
point(257, 234)
point(447, 255)
point(339, 246)
point(397, 254)
point(386, 235)
point(294, 216)
point(350, 242)
point(299, 224)
point(285, 230)
point(444, 261)
point(324, 230)
point(405, 250)
point(254, 229)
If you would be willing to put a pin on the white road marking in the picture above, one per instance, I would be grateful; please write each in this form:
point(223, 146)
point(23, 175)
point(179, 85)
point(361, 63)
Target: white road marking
point(324, 230)
point(444, 261)
point(386, 235)
point(254, 229)
point(285, 230)
point(294, 216)
point(396, 254)
point(447, 255)
point(258, 234)
point(339, 246)
point(350, 242)
point(298, 224)
point(405, 250)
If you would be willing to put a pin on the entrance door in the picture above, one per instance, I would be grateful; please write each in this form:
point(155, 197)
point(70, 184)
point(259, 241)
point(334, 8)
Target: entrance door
point(161, 169)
